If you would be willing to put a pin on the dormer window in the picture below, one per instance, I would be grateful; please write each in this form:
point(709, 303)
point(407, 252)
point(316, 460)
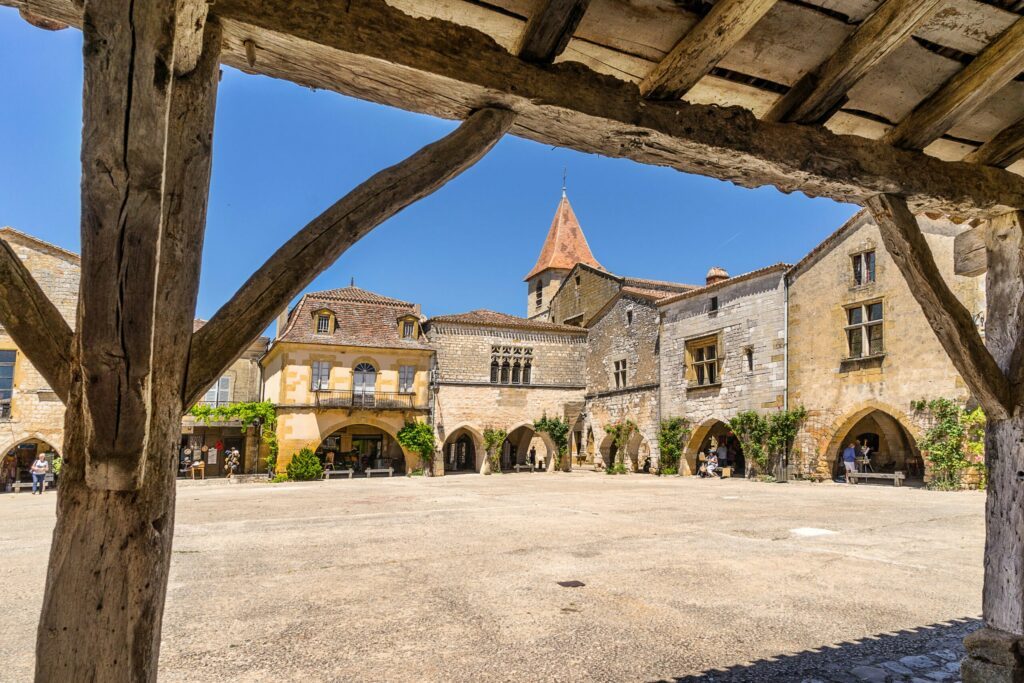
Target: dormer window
point(714, 304)
point(323, 324)
point(408, 329)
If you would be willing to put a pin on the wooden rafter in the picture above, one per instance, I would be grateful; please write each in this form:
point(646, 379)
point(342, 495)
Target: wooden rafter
point(820, 92)
point(34, 323)
point(326, 237)
point(1002, 150)
point(703, 47)
point(953, 324)
point(548, 32)
point(993, 68)
point(373, 51)
point(1004, 292)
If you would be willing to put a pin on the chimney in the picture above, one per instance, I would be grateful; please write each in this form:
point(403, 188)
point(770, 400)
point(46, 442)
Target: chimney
point(715, 275)
point(282, 322)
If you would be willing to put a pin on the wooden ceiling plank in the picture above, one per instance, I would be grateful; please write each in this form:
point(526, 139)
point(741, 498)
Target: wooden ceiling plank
point(992, 69)
point(702, 47)
point(550, 28)
point(815, 97)
point(1002, 150)
point(378, 53)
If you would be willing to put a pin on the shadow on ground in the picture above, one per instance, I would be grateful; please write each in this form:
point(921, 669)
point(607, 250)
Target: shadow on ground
point(838, 662)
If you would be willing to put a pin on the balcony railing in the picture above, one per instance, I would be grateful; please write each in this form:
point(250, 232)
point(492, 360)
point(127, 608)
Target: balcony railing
point(376, 400)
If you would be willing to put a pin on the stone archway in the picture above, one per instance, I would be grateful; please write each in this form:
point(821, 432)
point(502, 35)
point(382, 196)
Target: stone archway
point(518, 444)
point(466, 444)
point(377, 441)
point(701, 437)
point(890, 434)
point(17, 458)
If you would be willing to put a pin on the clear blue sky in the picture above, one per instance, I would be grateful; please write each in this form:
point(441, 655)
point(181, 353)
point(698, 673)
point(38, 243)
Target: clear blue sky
point(282, 153)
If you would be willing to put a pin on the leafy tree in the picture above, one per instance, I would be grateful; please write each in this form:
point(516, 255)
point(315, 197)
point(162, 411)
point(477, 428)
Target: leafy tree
point(672, 436)
point(954, 443)
point(493, 440)
point(558, 430)
point(419, 438)
point(305, 466)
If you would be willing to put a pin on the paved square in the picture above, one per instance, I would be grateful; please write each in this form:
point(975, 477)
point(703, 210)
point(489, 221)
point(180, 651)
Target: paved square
point(459, 578)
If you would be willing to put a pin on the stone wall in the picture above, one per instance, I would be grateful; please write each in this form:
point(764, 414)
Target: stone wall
point(914, 366)
point(585, 292)
point(750, 318)
point(549, 280)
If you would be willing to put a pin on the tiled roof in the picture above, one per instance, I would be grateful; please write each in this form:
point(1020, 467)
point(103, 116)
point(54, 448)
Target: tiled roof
point(565, 245)
point(652, 294)
point(642, 283)
point(362, 318)
point(725, 283)
point(495, 319)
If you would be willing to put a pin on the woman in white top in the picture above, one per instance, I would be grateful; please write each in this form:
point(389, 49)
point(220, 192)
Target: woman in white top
point(39, 469)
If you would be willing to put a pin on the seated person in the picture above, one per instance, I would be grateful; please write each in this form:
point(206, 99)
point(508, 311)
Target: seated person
point(711, 465)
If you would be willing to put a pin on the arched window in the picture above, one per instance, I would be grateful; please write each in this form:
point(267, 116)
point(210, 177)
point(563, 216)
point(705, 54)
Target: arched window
point(504, 372)
point(527, 367)
point(517, 373)
point(495, 368)
point(364, 381)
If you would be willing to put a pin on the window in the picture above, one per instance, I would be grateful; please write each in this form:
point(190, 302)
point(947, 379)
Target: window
point(864, 268)
point(511, 364)
point(364, 378)
point(629, 318)
point(714, 303)
point(540, 293)
point(7, 359)
point(406, 373)
point(750, 360)
point(220, 393)
point(864, 330)
point(323, 324)
point(408, 329)
point(703, 359)
point(321, 375)
point(619, 373)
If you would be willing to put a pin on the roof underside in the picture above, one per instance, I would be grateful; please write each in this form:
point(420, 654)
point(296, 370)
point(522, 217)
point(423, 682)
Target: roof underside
point(690, 84)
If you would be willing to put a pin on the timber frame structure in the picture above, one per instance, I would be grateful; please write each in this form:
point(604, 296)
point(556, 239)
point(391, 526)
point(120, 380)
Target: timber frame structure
point(902, 106)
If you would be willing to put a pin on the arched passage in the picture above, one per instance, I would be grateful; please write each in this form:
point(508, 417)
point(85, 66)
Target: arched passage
point(462, 450)
point(890, 445)
point(523, 443)
point(363, 443)
point(18, 457)
point(715, 435)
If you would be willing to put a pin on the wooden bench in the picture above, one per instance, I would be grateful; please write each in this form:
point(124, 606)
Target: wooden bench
point(897, 477)
point(526, 466)
point(380, 470)
point(19, 485)
point(331, 473)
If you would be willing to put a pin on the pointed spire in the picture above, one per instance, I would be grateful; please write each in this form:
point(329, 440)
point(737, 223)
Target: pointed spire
point(565, 245)
point(564, 171)
point(352, 283)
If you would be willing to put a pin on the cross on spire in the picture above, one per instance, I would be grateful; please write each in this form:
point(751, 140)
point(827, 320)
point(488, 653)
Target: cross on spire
point(563, 180)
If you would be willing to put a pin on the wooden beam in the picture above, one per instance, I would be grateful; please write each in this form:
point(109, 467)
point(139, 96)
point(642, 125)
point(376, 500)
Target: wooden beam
point(1004, 293)
point(953, 324)
point(970, 255)
point(188, 34)
point(127, 103)
point(370, 50)
point(998, 64)
point(816, 96)
point(703, 47)
point(550, 28)
point(34, 323)
point(1002, 150)
point(292, 267)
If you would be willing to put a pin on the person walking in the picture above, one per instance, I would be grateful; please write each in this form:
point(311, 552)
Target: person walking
point(533, 457)
point(850, 460)
point(39, 469)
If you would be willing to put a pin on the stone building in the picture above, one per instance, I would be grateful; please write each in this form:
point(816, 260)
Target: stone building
point(723, 351)
point(564, 247)
point(346, 370)
point(31, 414)
point(503, 372)
point(622, 376)
point(861, 349)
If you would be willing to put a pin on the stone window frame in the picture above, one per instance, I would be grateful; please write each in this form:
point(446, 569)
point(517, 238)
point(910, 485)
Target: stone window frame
point(225, 385)
point(749, 354)
point(713, 305)
point(620, 373)
point(511, 365)
point(863, 274)
point(700, 369)
point(325, 316)
point(320, 375)
point(862, 329)
point(406, 378)
point(8, 359)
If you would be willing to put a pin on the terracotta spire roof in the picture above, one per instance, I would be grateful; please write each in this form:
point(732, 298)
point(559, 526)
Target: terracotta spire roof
point(565, 245)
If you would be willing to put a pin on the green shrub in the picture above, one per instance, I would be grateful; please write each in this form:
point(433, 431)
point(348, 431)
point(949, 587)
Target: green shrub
point(954, 444)
point(668, 471)
point(558, 430)
point(418, 437)
point(493, 440)
point(305, 466)
point(278, 478)
point(617, 468)
point(671, 437)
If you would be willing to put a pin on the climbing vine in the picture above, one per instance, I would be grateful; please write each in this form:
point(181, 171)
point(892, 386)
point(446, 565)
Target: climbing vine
point(493, 440)
point(248, 413)
point(620, 433)
point(419, 438)
point(672, 435)
point(954, 443)
point(558, 430)
point(767, 439)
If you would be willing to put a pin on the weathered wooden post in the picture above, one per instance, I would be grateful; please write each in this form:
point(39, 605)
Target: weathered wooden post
point(995, 376)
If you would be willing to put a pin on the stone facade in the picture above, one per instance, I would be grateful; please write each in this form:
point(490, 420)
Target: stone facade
point(744, 318)
point(584, 292)
point(468, 402)
point(622, 375)
point(35, 415)
point(874, 392)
